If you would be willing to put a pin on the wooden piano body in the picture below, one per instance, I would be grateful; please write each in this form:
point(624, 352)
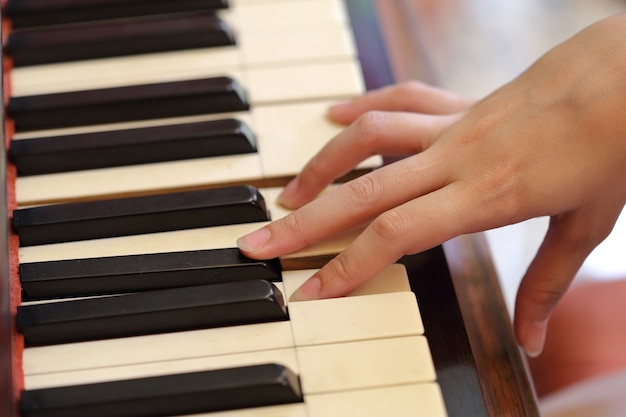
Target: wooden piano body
point(478, 364)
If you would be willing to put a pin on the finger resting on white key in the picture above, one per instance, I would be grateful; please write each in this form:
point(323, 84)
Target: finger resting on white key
point(413, 227)
point(352, 204)
point(375, 133)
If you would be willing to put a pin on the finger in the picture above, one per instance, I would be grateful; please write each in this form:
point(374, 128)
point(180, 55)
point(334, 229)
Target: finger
point(568, 242)
point(413, 227)
point(374, 133)
point(352, 204)
point(412, 96)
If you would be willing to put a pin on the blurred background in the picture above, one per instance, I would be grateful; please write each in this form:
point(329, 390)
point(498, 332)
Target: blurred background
point(474, 46)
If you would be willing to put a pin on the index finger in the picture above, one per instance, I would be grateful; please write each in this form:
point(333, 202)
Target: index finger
point(350, 205)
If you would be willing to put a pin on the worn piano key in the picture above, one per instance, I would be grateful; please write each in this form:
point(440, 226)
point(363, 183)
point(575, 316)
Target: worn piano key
point(110, 275)
point(173, 348)
point(91, 150)
point(117, 38)
point(408, 400)
point(119, 104)
point(33, 13)
point(365, 364)
point(287, 135)
point(284, 356)
point(66, 362)
point(151, 312)
point(224, 389)
point(138, 215)
point(355, 318)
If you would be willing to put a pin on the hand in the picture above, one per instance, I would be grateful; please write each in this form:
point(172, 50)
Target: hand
point(550, 143)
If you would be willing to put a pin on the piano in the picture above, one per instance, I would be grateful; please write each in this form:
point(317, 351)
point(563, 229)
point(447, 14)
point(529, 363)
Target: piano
point(477, 367)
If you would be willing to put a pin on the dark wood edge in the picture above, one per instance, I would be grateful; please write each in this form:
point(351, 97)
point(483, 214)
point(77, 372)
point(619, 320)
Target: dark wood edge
point(501, 367)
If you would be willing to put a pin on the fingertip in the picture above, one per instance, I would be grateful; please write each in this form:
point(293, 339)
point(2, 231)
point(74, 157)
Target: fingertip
point(533, 337)
point(342, 112)
point(252, 242)
point(288, 197)
point(308, 291)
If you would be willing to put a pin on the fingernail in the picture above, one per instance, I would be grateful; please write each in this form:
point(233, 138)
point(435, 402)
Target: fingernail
point(308, 291)
point(254, 241)
point(535, 337)
point(285, 198)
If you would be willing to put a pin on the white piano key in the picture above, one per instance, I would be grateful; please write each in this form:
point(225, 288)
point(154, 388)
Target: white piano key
point(424, 400)
point(285, 357)
point(363, 317)
point(278, 46)
point(177, 241)
point(318, 80)
point(256, 15)
point(157, 348)
point(365, 364)
point(287, 137)
point(290, 134)
point(392, 279)
point(136, 179)
point(124, 71)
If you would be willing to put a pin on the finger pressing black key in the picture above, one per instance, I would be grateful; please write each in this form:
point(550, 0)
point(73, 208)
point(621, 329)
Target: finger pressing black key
point(130, 273)
point(32, 13)
point(198, 392)
point(131, 146)
point(136, 215)
point(117, 38)
point(122, 104)
point(151, 312)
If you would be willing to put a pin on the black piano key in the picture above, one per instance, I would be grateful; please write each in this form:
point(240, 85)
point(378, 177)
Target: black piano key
point(197, 392)
point(121, 104)
point(117, 38)
point(130, 273)
point(137, 215)
point(131, 147)
point(34, 13)
point(160, 311)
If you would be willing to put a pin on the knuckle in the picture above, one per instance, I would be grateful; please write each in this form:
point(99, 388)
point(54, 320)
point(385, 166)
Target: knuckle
point(388, 226)
point(363, 191)
point(338, 273)
point(293, 224)
point(316, 168)
point(547, 297)
point(371, 126)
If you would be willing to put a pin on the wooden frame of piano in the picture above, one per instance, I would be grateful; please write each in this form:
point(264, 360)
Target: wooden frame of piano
point(479, 366)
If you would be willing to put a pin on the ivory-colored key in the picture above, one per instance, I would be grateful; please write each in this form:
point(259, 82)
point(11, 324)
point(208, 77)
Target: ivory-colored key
point(286, 356)
point(185, 240)
point(365, 364)
point(157, 348)
point(399, 401)
point(287, 137)
point(409, 400)
point(347, 319)
point(392, 279)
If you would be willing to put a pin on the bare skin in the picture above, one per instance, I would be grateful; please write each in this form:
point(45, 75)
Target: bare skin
point(552, 142)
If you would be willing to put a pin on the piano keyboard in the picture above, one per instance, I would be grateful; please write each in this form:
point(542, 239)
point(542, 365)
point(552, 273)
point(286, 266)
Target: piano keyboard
point(293, 59)
point(367, 353)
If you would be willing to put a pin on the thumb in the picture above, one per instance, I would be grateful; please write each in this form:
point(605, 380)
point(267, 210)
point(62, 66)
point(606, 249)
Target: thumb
point(565, 247)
